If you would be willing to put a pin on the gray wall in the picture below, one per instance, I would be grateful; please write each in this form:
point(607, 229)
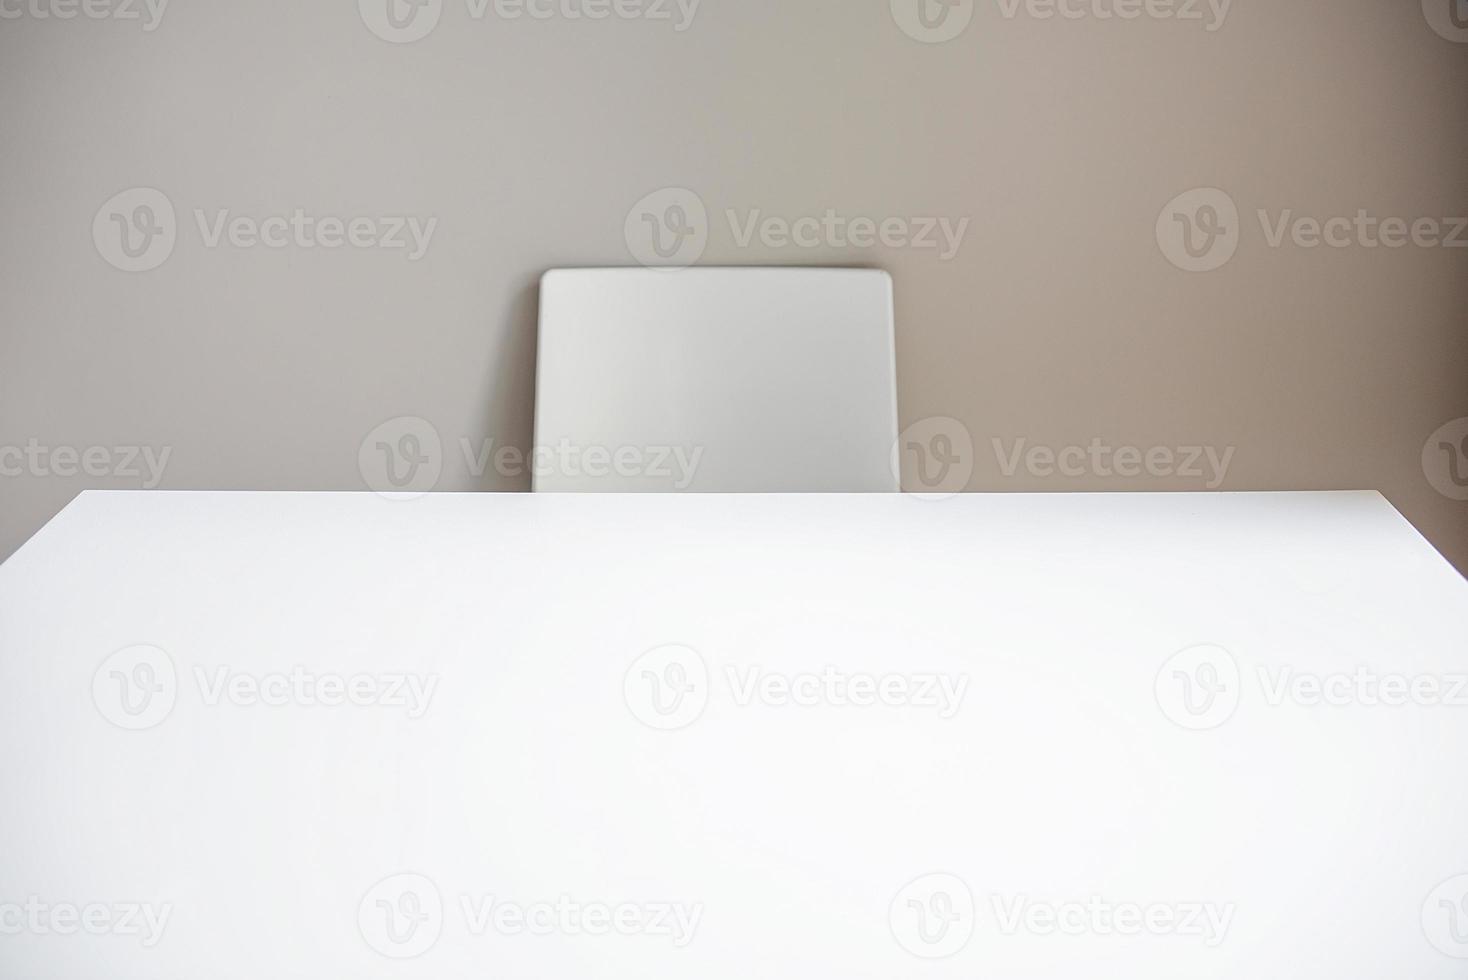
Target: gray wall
point(1060, 320)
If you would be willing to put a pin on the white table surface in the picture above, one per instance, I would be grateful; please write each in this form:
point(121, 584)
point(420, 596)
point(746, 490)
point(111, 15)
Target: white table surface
point(1326, 840)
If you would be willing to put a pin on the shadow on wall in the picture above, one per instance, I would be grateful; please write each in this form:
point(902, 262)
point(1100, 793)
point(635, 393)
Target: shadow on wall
point(508, 394)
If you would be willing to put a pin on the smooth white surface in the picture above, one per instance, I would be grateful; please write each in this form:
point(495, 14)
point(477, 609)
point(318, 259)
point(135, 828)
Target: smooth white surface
point(531, 777)
point(765, 380)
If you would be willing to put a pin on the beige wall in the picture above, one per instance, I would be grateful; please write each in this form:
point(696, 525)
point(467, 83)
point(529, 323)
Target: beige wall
point(1059, 320)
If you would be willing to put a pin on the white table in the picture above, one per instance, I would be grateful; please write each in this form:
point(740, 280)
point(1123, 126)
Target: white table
point(287, 805)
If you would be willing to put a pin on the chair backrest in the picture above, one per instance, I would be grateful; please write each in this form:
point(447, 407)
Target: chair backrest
point(716, 380)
